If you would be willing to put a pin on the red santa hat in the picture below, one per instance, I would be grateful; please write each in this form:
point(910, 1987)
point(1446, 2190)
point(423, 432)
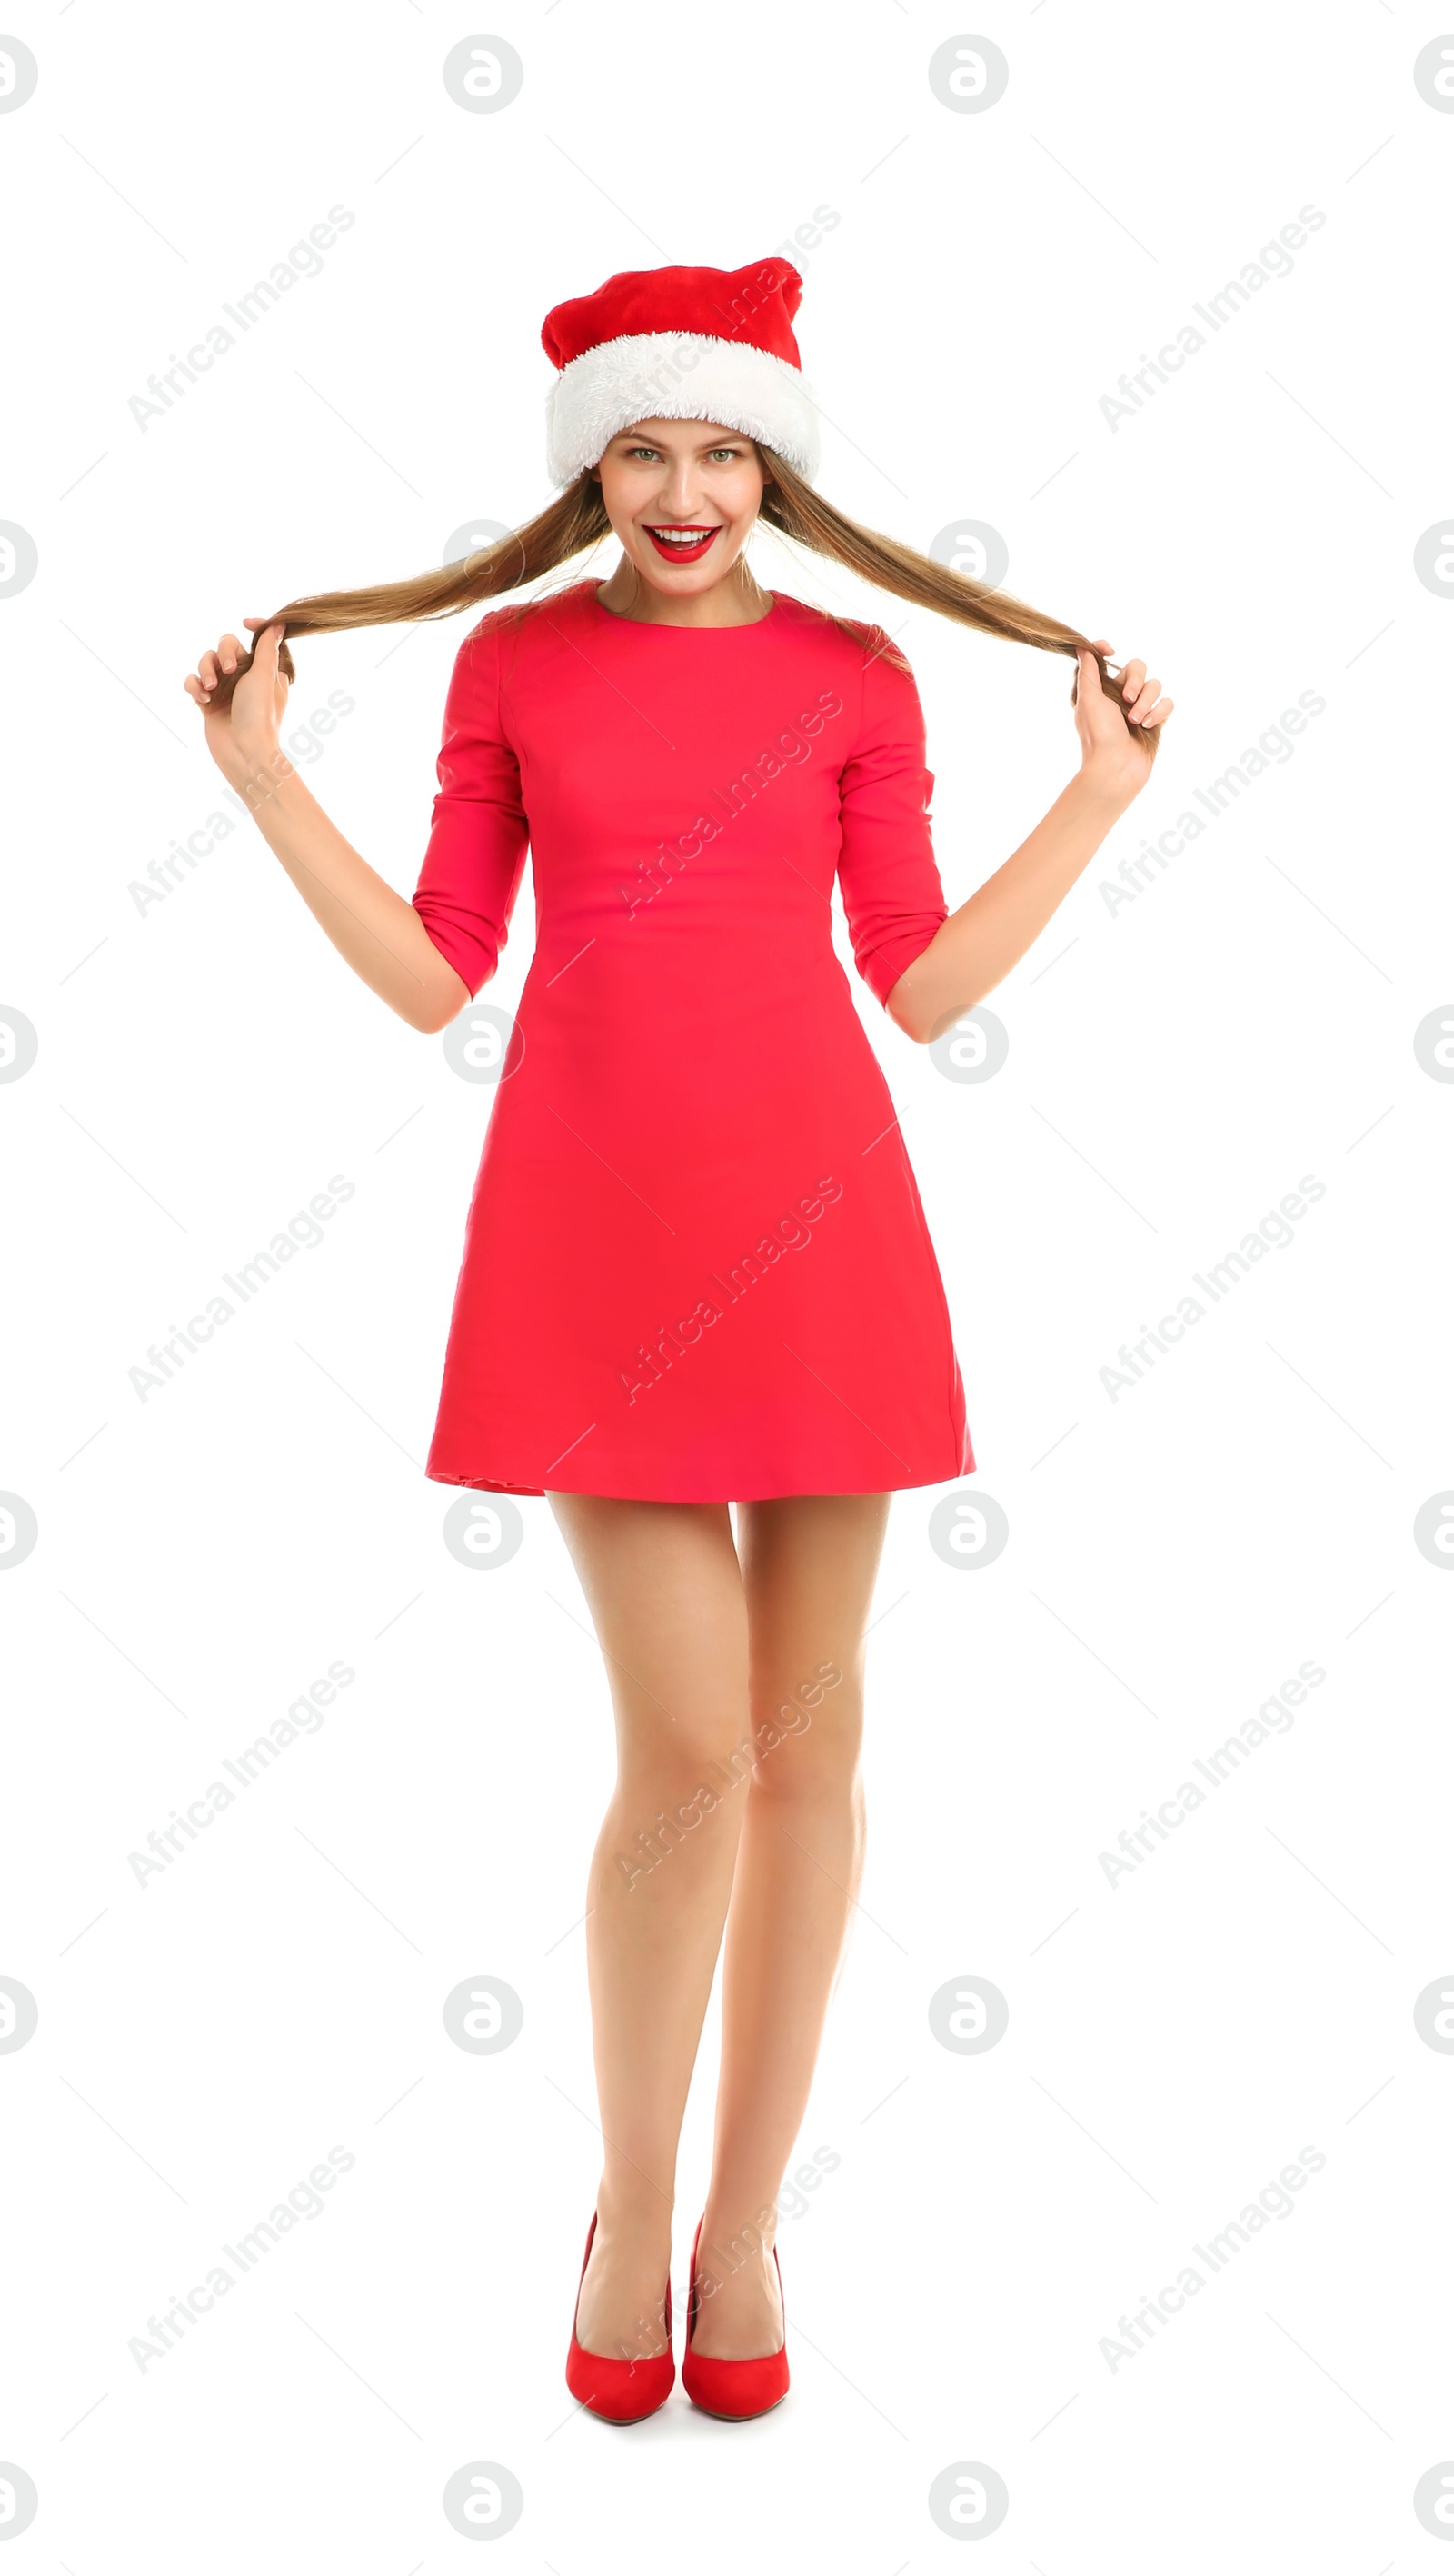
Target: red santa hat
point(680, 344)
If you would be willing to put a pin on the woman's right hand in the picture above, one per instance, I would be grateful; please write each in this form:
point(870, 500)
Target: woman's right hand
point(243, 708)
point(242, 692)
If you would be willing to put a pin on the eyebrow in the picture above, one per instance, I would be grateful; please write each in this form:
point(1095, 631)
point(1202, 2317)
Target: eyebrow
point(729, 438)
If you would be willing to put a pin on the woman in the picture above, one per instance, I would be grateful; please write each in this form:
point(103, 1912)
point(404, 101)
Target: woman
point(696, 1268)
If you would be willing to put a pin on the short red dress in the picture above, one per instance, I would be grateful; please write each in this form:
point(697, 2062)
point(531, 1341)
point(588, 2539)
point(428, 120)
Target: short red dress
point(696, 1267)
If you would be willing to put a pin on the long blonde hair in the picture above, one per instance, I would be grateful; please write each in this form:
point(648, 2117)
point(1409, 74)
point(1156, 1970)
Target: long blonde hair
point(577, 519)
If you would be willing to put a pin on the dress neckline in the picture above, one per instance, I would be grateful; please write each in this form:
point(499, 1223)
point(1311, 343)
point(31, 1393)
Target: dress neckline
point(651, 624)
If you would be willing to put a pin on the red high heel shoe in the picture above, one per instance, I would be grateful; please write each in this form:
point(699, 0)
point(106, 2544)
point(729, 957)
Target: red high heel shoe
point(734, 2390)
point(620, 2392)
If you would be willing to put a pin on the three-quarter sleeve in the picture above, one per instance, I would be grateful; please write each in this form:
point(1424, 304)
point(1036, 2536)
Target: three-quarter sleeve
point(887, 871)
point(476, 855)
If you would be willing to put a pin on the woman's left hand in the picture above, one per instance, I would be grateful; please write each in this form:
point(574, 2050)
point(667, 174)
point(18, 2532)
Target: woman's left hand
point(1112, 738)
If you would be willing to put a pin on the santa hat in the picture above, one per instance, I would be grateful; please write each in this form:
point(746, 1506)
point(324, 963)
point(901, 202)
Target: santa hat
point(680, 344)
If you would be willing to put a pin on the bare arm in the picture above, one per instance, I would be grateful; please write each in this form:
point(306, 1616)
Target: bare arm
point(375, 930)
point(976, 947)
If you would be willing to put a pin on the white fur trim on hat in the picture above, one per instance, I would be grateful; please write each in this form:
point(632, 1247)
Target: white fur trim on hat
point(677, 375)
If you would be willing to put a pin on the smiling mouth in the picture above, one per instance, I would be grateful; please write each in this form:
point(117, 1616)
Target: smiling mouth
point(682, 545)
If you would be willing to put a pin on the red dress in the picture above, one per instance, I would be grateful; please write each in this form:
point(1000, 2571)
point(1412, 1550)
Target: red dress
point(696, 1267)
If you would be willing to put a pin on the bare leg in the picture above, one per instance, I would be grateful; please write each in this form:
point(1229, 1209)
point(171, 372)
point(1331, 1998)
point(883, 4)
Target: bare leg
point(665, 1591)
point(808, 1564)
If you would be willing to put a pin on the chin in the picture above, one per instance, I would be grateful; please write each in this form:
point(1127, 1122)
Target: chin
point(691, 577)
point(686, 576)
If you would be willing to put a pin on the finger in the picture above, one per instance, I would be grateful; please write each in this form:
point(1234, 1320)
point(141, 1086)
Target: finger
point(195, 690)
point(1138, 708)
point(230, 651)
point(1087, 675)
point(1159, 712)
point(1103, 644)
point(1132, 678)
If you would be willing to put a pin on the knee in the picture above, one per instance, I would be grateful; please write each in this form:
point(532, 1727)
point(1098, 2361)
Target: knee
point(803, 1754)
point(697, 1750)
point(658, 1823)
point(693, 1765)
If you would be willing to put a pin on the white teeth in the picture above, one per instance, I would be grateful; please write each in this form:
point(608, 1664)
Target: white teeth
point(683, 536)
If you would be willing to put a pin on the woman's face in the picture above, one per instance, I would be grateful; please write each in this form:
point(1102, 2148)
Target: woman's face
point(688, 476)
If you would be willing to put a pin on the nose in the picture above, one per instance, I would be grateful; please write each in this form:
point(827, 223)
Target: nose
point(679, 493)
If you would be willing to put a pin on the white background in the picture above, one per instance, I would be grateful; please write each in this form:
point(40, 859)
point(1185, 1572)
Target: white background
point(1175, 1067)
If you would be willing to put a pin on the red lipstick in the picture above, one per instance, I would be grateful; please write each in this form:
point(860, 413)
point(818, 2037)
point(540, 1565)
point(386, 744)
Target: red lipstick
point(675, 549)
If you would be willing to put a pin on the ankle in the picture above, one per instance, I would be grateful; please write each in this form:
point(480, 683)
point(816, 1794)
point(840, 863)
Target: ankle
point(736, 2234)
point(630, 2215)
